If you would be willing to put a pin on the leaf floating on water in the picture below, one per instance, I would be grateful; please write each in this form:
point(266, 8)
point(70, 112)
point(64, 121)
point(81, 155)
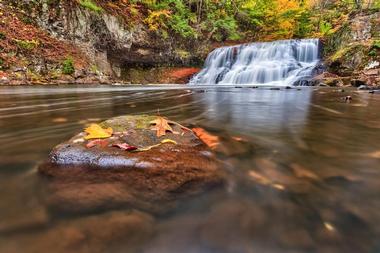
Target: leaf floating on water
point(375, 154)
point(259, 178)
point(98, 142)
point(302, 172)
point(279, 187)
point(210, 140)
point(329, 226)
point(161, 125)
point(125, 146)
point(59, 120)
point(95, 131)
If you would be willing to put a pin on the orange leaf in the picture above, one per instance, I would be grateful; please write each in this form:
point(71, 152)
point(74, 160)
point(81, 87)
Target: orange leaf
point(210, 140)
point(161, 125)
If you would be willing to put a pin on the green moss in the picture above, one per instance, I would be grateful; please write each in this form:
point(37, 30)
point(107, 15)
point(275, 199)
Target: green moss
point(68, 66)
point(183, 54)
point(123, 123)
point(340, 53)
point(89, 4)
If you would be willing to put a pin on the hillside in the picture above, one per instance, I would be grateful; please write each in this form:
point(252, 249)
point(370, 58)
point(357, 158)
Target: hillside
point(88, 41)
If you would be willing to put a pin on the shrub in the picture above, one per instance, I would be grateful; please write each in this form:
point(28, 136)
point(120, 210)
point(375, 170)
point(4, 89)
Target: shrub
point(2, 36)
point(325, 28)
point(89, 4)
point(68, 66)
point(376, 44)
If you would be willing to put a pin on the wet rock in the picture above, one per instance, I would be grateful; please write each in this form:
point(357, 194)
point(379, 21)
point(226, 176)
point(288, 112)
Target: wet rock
point(327, 79)
point(4, 80)
point(82, 179)
point(14, 217)
point(363, 87)
point(111, 232)
point(232, 226)
point(347, 99)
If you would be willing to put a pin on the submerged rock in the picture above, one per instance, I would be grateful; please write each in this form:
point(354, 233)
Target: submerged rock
point(117, 231)
point(83, 179)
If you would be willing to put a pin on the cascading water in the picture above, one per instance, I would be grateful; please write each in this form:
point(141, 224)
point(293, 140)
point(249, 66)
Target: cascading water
point(279, 63)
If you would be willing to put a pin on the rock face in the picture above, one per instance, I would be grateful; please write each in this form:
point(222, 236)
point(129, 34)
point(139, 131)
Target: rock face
point(353, 52)
point(82, 179)
point(113, 42)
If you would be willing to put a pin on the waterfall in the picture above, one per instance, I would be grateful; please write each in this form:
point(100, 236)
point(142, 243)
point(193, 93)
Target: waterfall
point(279, 63)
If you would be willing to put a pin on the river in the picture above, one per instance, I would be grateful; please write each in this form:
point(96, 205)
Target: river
point(306, 180)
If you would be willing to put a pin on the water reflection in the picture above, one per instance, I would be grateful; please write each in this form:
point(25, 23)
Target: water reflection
point(305, 178)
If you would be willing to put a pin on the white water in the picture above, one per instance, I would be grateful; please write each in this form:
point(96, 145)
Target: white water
point(279, 63)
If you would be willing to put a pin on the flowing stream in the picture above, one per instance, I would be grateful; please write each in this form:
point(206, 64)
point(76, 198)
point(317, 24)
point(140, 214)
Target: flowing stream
point(305, 178)
point(279, 63)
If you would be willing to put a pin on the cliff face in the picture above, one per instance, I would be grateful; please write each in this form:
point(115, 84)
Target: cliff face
point(353, 52)
point(113, 42)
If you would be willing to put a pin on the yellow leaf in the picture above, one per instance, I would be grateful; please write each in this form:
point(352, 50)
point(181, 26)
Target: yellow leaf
point(97, 132)
point(169, 141)
point(161, 126)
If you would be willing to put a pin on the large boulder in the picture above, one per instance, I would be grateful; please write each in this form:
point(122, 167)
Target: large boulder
point(164, 170)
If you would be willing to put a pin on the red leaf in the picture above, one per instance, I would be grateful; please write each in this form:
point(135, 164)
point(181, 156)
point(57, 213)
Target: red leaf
point(125, 146)
point(97, 142)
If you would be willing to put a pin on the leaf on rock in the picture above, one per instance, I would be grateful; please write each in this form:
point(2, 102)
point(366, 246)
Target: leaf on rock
point(169, 141)
point(157, 145)
point(161, 125)
point(210, 140)
point(95, 131)
point(98, 142)
point(125, 146)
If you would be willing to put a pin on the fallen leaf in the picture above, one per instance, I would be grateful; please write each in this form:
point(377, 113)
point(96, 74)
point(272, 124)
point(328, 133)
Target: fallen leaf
point(259, 178)
point(125, 146)
point(147, 148)
point(329, 226)
point(79, 140)
point(161, 125)
point(210, 140)
point(236, 138)
point(98, 142)
point(97, 132)
point(302, 172)
point(169, 141)
point(157, 145)
point(375, 154)
point(59, 120)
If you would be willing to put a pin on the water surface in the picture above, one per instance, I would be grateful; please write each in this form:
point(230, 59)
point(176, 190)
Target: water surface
point(305, 179)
